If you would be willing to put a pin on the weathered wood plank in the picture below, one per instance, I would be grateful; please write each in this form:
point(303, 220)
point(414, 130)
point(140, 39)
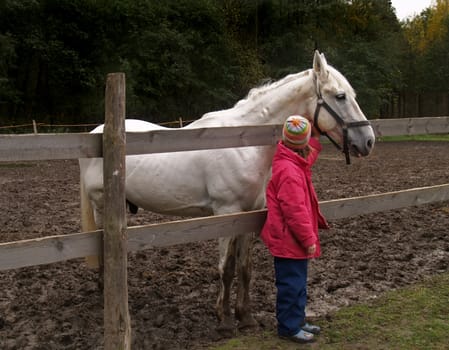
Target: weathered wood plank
point(73, 146)
point(65, 247)
point(49, 146)
point(50, 249)
point(193, 230)
point(57, 248)
point(411, 126)
point(342, 208)
point(173, 140)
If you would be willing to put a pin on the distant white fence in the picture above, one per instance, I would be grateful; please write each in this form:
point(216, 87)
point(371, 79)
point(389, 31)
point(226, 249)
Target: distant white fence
point(37, 126)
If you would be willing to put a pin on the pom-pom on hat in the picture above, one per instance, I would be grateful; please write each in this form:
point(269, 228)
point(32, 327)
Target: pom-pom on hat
point(296, 132)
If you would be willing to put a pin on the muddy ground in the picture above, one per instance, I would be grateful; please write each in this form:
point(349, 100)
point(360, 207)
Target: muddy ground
point(172, 291)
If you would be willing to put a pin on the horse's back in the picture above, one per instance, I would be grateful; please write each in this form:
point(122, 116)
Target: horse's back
point(132, 125)
point(91, 169)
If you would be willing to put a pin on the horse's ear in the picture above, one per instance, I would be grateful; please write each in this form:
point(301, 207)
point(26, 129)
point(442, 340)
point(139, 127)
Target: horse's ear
point(323, 59)
point(316, 59)
point(320, 65)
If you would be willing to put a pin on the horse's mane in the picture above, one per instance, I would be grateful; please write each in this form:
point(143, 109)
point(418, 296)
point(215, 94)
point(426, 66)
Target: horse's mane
point(263, 89)
point(342, 80)
point(267, 87)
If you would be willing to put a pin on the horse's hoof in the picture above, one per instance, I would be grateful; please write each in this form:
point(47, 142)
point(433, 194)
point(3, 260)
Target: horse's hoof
point(226, 326)
point(248, 322)
point(100, 284)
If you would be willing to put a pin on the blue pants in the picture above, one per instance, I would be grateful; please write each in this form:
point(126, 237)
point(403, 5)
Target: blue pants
point(291, 299)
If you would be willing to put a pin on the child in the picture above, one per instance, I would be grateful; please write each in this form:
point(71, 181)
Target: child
point(291, 229)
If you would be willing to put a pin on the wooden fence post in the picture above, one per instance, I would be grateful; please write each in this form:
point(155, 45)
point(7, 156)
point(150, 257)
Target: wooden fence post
point(117, 328)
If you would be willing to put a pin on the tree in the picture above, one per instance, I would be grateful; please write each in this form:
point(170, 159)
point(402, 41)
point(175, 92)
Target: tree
point(184, 63)
point(371, 52)
point(428, 38)
point(185, 58)
point(8, 93)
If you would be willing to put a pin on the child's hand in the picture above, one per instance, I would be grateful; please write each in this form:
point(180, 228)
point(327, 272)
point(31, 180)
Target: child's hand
point(311, 250)
point(315, 133)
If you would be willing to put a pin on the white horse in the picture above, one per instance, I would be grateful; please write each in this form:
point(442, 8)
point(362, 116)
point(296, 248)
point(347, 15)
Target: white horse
point(221, 181)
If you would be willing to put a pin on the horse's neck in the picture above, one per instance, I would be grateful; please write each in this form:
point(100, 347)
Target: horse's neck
point(266, 105)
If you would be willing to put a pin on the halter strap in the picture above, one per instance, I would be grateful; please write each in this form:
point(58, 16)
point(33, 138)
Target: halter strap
point(344, 125)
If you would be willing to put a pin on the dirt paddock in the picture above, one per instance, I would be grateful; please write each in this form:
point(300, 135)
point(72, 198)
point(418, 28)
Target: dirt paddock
point(172, 291)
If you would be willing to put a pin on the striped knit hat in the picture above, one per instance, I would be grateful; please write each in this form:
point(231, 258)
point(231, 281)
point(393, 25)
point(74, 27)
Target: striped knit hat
point(296, 132)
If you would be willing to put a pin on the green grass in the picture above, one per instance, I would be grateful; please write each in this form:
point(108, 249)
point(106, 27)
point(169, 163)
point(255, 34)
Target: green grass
point(439, 137)
point(12, 165)
point(408, 319)
point(415, 318)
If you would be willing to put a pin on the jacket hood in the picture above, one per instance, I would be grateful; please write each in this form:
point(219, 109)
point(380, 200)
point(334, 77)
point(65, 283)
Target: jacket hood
point(285, 153)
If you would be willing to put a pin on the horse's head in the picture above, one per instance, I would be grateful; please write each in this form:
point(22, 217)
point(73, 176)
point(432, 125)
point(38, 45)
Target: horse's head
point(337, 114)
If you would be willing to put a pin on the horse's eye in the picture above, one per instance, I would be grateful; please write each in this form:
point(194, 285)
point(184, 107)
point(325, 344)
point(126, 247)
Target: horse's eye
point(341, 96)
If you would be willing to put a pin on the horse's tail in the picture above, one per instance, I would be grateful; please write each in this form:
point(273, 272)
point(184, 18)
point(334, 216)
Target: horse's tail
point(87, 220)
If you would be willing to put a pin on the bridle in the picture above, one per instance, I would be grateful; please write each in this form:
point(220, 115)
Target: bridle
point(343, 124)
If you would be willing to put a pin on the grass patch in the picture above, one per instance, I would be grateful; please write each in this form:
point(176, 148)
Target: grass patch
point(433, 137)
point(412, 318)
point(16, 165)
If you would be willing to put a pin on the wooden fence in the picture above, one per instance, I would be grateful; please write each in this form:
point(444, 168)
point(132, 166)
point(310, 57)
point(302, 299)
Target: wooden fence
point(50, 249)
point(73, 146)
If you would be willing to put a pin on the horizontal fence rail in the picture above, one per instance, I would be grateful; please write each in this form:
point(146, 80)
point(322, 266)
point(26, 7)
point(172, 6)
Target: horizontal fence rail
point(84, 145)
point(410, 126)
point(65, 247)
point(49, 146)
point(30, 147)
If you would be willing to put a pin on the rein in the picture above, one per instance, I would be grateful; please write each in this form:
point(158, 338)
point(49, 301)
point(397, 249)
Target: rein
point(343, 124)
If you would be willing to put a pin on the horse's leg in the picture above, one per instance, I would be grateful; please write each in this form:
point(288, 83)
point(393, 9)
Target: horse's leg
point(96, 261)
point(91, 220)
point(226, 268)
point(244, 244)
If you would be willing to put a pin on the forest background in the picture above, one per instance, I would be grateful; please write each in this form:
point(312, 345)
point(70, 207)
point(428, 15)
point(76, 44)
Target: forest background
point(183, 58)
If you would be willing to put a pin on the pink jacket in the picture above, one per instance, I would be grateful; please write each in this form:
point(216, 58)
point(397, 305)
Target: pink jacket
point(293, 213)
